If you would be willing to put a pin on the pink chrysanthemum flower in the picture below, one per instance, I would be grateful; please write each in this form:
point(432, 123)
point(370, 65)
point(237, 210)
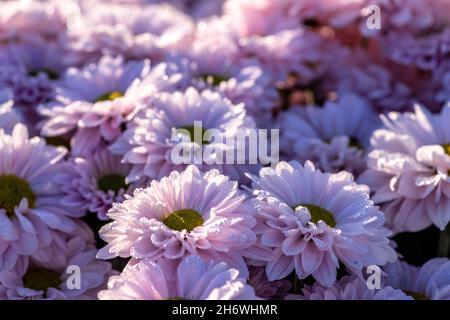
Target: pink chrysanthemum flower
point(27, 91)
point(185, 213)
point(37, 56)
point(30, 201)
point(24, 20)
point(378, 85)
point(349, 288)
point(415, 16)
point(52, 254)
point(338, 14)
point(164, 137)
point(216, 63)
point(260, 17)
point(425, 53)
point(334, 137)
point(429, 282)
point(9, 117)
point(94, 103)
point(30, 70)
point(195, 279)
point(267, 289)
point(53, 281)
point(297, 52)
point(10, 259)
point(315, 220)
point(409, 169)
point(94, 183)
point(135, 32)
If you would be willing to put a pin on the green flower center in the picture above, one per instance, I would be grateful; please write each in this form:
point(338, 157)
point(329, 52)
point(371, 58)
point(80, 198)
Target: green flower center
point(446, 147)
point(318, 213)
point(52, 75)
point(416, 295)
point(184, 219)
point(176, 298)
point(192, 136)
point(12, 190)
point(213, 79)
point(113, 182)
point(41, 279)
point(109, 96)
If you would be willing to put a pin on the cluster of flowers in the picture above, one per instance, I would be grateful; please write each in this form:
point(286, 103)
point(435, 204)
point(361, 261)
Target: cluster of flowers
point(92, 91)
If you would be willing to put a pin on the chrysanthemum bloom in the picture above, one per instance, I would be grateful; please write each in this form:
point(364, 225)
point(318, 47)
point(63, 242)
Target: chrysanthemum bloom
point(171, 75)
point(135, 32)
point(29, 199)
point(425, 53)
point(9, 259)
point(420, 17)
point(422, 56)
point(170, 134)
point(409, 169)
point(94, 183)
point(94, 103)
point(315, 220)
point(349, 288)
point(185, 213)
point(56, 280)
point(338, 14)
point(267, 289)
point(334, 137)
point(22, 20)
point(429, 282)
point(260, 17)
point(378, 85)
point(195, 279)
point(28, 90)
point(37, 56)
point(51, 254)
point(30, 70)
point(417, 42)
point(217, 63)
point(9, 117)
point(297, 52)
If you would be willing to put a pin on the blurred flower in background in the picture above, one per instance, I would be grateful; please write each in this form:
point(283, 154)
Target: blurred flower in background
point(98, 96)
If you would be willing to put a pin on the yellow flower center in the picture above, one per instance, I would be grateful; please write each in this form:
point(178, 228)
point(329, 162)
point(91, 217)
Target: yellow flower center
point(446, 147)
point(109, 96)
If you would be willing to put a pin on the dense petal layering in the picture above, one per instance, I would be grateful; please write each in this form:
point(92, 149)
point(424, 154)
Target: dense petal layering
point(314, 221)
point(195, 279)
point(409, 169)
point(185, 213)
